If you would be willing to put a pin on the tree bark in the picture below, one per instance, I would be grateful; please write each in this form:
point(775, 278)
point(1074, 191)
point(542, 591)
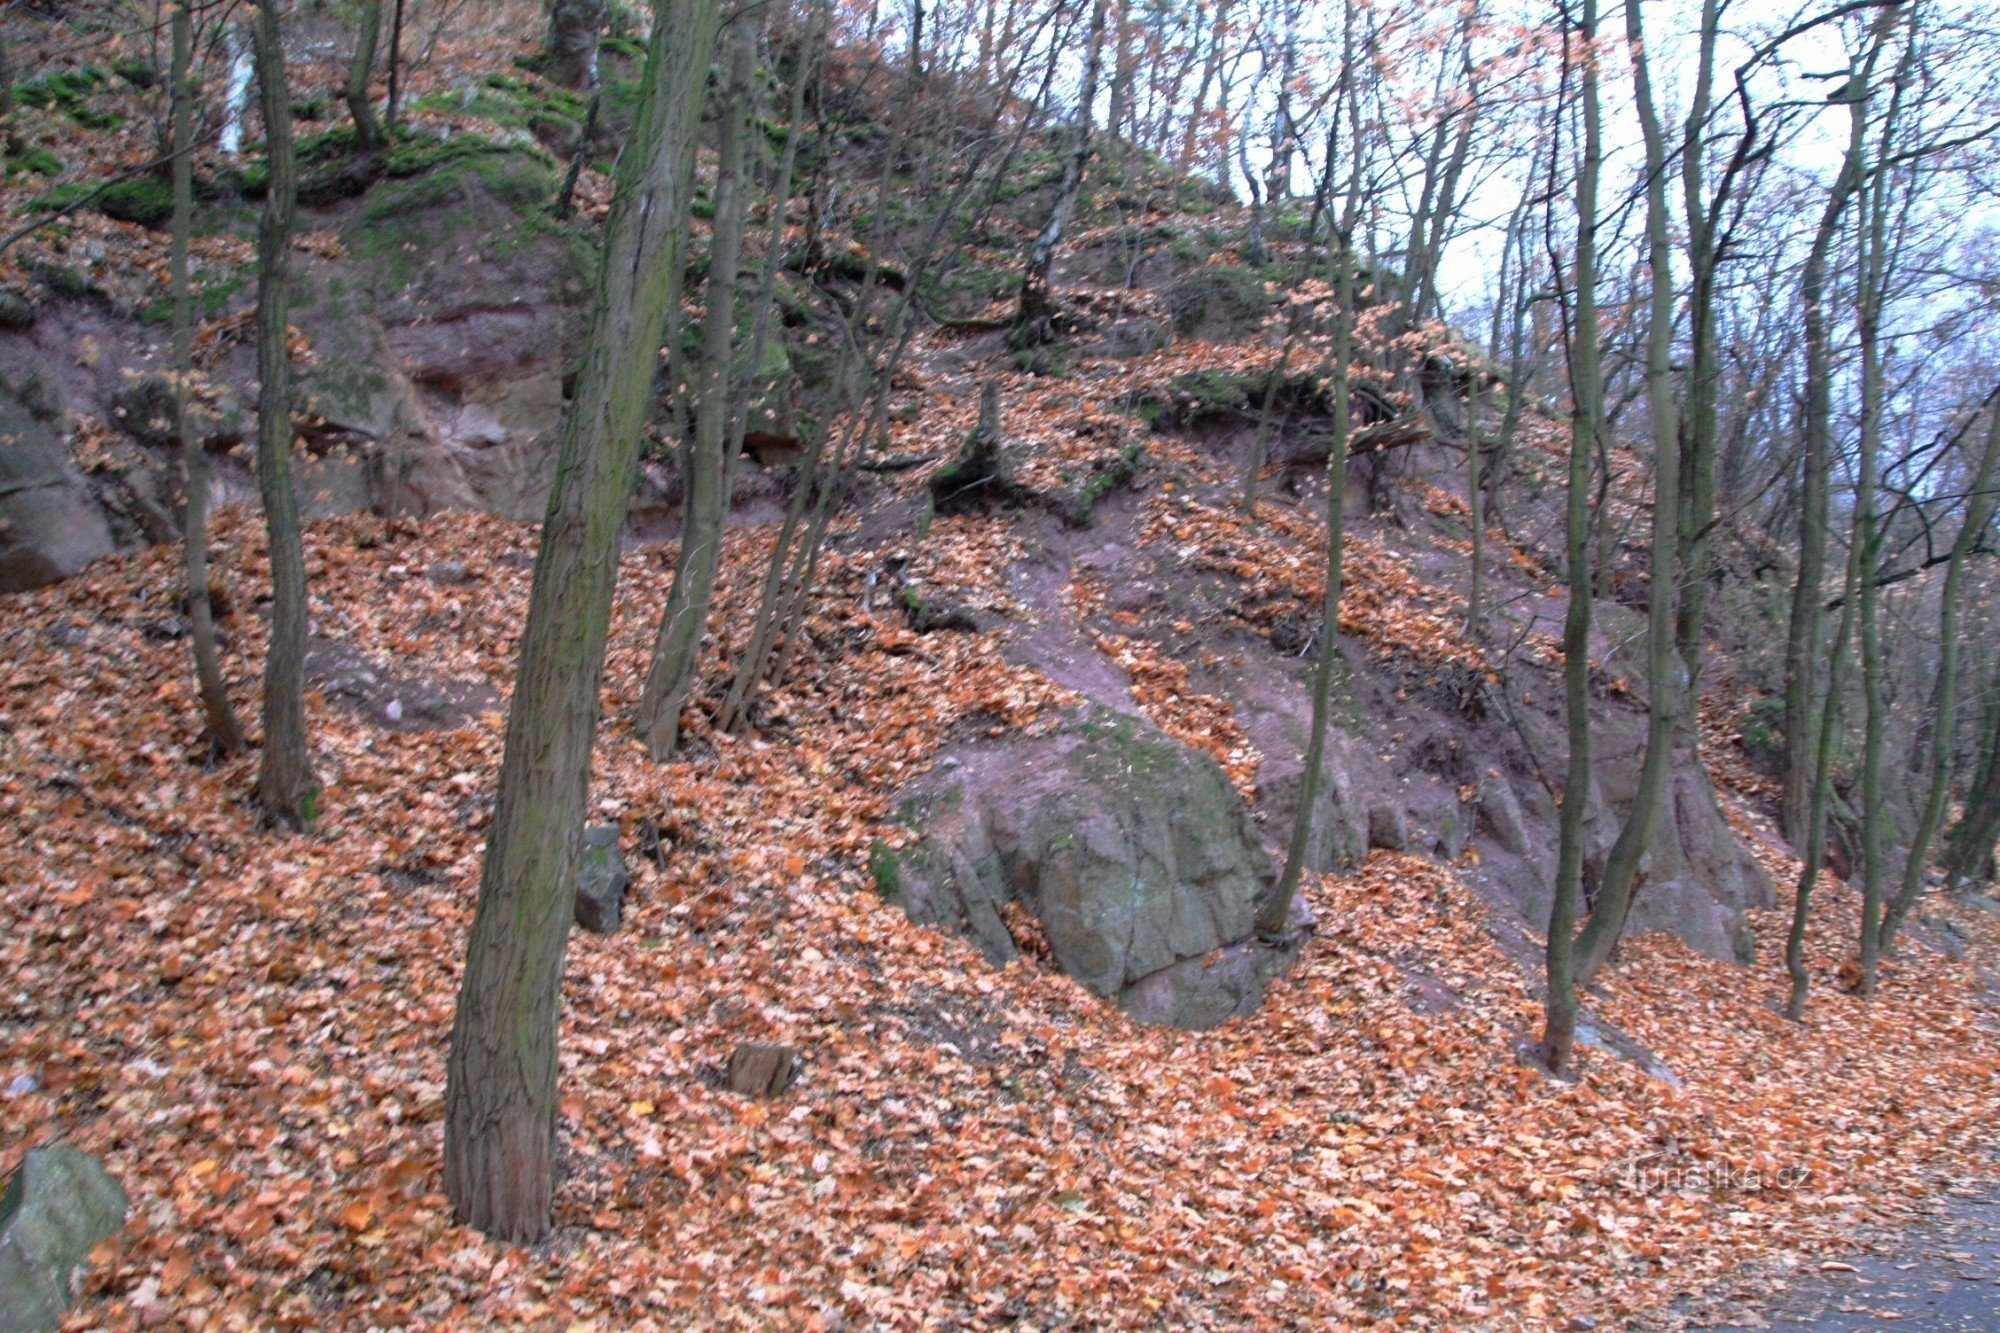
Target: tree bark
point(1275, 911)
point(1944, 727)
point(572, 46)
point(1034, 321)
point(1978, 829)
point(1802, 632)
point(367, 130)
point(1586, 429)
point(1663, 688)
point(285, 783)
point(500, 1097)
point(705, 489)
point(1826, 740)
point(225, 733)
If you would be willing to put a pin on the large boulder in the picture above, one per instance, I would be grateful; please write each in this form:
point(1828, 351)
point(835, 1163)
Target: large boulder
point(55, 1208)
point(1132, 851)
point(50, 524)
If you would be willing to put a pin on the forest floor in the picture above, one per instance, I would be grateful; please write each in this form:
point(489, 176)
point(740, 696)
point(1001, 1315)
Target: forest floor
point(250, 1027)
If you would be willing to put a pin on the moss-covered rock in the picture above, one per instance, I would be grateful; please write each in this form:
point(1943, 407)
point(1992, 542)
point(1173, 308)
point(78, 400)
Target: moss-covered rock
point(1222, 298)
point(1133, 851)
point(146, 200)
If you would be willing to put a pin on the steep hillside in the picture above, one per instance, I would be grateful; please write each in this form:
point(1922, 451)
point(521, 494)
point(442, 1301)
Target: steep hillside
point(1069, 661)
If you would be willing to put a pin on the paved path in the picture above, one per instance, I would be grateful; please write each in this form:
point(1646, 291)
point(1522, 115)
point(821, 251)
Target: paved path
point(1943, 1274)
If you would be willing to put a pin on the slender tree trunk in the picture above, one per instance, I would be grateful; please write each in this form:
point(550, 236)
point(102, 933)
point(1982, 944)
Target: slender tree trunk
point(1978, 829)
point(1210, 66)
point(1034, 321)
point(1944, 728)
point(285, 782)
point(1867, 535)
point(572, 45)
point(1697, 492)
point(1802, 633)
point(1621, 866)
point(1124, 71)
point(500, 1095)
point(705, 489)
point(393, 112)
point(1586, 429)
point(1276, 909)
point(1826, 741)
point(367, 130)
point(224, 731)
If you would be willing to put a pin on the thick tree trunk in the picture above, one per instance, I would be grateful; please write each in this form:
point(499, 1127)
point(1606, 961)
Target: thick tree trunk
point(224, 731)
point(705, 490)
point(1663, 688)
point(1586, 429)
point(367, 130)
point(285, 782)
point(500, 1097)
point(572, 47)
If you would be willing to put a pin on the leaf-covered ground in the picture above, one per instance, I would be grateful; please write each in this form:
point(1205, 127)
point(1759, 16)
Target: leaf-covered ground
point(251, 1026)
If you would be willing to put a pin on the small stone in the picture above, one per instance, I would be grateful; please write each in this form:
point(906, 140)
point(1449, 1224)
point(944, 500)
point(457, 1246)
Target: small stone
point(449, 573)
point(21, 1085)
point(393, 710)
point(601, 883)
point(760, 1069)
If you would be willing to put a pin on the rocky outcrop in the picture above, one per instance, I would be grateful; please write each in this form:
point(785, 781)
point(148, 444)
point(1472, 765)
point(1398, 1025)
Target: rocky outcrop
point(51, 525)
point(55, 1208)
point(1130, 852)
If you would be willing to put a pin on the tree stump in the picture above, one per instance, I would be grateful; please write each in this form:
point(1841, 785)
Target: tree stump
point(758, 1069)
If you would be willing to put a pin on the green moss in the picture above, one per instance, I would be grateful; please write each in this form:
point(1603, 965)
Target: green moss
point(419, 212)
point(138, 73)
point(146, 200)
point(208, 299)
point(886, 867)
point(61, 197)
point(629, 47)
point(69, 92)
point(40, 161)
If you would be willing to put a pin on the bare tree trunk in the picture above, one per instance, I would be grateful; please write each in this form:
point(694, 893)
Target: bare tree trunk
point(1034, 321)
point(1210, 66)
point(1944, 728)
point(1826, 740)
point(1803, 630)
point(1697, 511)
point(1621, 865)
point(1586, 430)
point(500, 1095)
point(393, 112)
point(572, 46)
point(705, 488)
point(367, 130)
point(285, 782)
point(224, 731)
point(1124, 72)
point(1273, 915)
point(1974, 836)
